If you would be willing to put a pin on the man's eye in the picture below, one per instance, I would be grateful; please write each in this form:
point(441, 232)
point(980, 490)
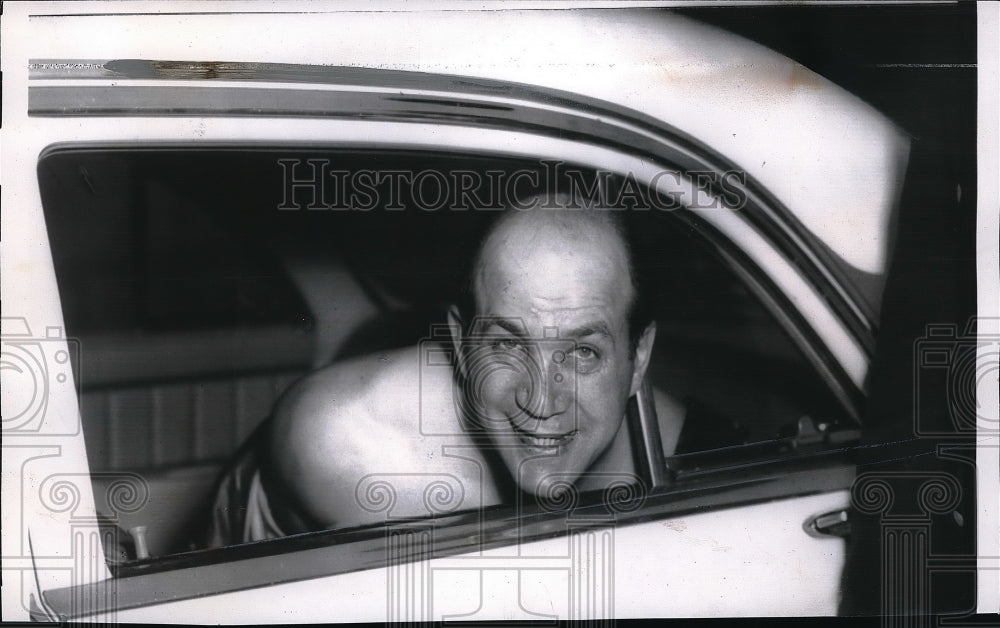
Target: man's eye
point(586, 359)
point(506, 344)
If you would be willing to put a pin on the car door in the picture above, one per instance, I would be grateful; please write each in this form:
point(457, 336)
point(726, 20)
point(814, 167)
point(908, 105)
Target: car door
point(765, 515)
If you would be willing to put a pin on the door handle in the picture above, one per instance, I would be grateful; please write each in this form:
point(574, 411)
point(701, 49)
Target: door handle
point(836, 523)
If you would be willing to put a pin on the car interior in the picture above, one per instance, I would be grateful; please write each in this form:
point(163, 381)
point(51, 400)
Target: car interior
point(197, 301)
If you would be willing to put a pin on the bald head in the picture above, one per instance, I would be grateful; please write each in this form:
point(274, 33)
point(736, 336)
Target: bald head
point(556, 256)
point(564, 258)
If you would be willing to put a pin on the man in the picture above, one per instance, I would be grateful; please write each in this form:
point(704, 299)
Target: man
point(552, 343)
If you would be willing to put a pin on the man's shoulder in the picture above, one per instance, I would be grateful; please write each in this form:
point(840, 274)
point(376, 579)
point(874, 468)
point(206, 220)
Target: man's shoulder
point(389, 386)
point(381, 414)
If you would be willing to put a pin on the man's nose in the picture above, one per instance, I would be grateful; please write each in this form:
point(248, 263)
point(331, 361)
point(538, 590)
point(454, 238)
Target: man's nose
point(546, 392)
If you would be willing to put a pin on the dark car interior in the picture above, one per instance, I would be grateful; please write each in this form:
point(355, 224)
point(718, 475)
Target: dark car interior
point(197, 302)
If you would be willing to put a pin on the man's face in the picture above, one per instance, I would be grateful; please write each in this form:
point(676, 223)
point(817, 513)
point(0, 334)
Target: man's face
point(547, 362)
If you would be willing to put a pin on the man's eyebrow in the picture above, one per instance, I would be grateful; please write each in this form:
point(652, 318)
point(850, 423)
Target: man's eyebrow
point(509, 325)
point(588, 329)
point(516, 328)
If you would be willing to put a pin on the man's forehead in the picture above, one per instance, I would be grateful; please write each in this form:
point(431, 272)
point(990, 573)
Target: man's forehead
point(577, 304)
point(549, 262)
point(555, 227)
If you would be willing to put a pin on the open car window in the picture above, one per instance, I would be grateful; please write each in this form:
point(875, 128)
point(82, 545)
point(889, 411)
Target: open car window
point(746, 390)
point(202, 283)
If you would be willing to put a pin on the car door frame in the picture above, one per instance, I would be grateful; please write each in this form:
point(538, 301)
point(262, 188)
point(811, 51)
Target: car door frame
point(520, 110)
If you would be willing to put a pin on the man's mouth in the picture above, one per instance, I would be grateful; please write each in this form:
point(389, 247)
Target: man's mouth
point(544, 440)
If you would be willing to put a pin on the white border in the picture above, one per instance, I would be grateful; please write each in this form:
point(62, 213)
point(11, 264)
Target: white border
point(987, 237)
point(988, 199)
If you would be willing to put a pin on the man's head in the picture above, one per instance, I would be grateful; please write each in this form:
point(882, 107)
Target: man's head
point(553, 347)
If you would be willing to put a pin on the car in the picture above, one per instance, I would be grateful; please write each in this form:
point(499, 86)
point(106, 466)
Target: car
point(191, 237)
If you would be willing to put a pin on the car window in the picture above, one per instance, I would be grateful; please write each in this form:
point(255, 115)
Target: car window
point(140, 254)
point(202, 283)
point(723, 360)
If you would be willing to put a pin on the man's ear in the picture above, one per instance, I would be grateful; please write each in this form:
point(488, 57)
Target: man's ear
point(643, 352)
point(455, 323)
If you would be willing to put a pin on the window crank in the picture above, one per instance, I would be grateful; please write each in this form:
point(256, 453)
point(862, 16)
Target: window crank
point(139, 537)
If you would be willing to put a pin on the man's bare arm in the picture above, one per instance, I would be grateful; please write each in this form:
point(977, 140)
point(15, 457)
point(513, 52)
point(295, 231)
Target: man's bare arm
point(363, 417)
point(326, 437)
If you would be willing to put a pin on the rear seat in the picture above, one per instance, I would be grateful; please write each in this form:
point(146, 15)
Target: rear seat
point(171, 409)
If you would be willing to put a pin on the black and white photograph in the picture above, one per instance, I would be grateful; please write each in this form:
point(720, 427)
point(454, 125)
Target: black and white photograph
point(324, 312)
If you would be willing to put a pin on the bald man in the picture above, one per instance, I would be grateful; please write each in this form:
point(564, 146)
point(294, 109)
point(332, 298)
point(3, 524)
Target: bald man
point(549, 348)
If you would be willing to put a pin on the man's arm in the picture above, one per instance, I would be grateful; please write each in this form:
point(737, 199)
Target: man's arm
point(360, 418)
point(326, 437)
